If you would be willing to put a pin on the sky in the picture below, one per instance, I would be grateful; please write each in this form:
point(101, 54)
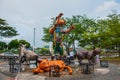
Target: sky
point(25, 15)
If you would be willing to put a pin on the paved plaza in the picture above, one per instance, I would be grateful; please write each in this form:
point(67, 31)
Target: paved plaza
point(109, 73)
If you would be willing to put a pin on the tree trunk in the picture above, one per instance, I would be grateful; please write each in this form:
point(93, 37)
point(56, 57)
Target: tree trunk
point(119, 52)
point(74, 48)
point(118, 49)
point(67, 48)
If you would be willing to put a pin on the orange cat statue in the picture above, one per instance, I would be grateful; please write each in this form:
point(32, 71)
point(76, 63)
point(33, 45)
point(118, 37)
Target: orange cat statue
point(45, 64)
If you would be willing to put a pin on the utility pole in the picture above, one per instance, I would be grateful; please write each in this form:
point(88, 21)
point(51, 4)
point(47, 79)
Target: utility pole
point(34, 41)
point(2, 45)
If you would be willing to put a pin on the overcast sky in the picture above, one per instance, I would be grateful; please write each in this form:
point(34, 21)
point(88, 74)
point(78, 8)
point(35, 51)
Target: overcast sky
point(25, 15)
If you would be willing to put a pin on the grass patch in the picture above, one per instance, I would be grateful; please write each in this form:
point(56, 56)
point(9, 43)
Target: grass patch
point(114, 58)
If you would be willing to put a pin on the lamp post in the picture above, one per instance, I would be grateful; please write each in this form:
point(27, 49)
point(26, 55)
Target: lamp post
point(1, 42)
point(34, 41)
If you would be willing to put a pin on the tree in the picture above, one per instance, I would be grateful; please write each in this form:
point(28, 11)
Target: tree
point(47, 36)
point(25, 42)
point(114, 29)
point(3, 45)
point(14, 44)
point(6, 30)
point(86, 32)
point(70, 38)
point(91, 32)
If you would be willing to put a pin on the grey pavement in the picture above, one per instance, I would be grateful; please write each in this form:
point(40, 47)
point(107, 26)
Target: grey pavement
point(110, 73)
point(3, 77)
point(30, 76)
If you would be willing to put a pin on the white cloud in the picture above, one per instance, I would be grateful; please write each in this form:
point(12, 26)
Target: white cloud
point(106, 8)
point(7, 40)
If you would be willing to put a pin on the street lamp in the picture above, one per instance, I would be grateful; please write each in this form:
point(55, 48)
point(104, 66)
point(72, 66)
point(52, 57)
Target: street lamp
point(2, 45)
point(34, 41)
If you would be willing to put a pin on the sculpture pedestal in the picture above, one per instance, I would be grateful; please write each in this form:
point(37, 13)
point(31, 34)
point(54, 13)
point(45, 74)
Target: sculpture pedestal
point(14, 67)
point(87, 68)
point(104, 63)
point(54, 71)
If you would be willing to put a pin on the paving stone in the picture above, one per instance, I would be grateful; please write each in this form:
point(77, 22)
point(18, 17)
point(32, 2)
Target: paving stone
point(29, 76)
point(110, 73)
